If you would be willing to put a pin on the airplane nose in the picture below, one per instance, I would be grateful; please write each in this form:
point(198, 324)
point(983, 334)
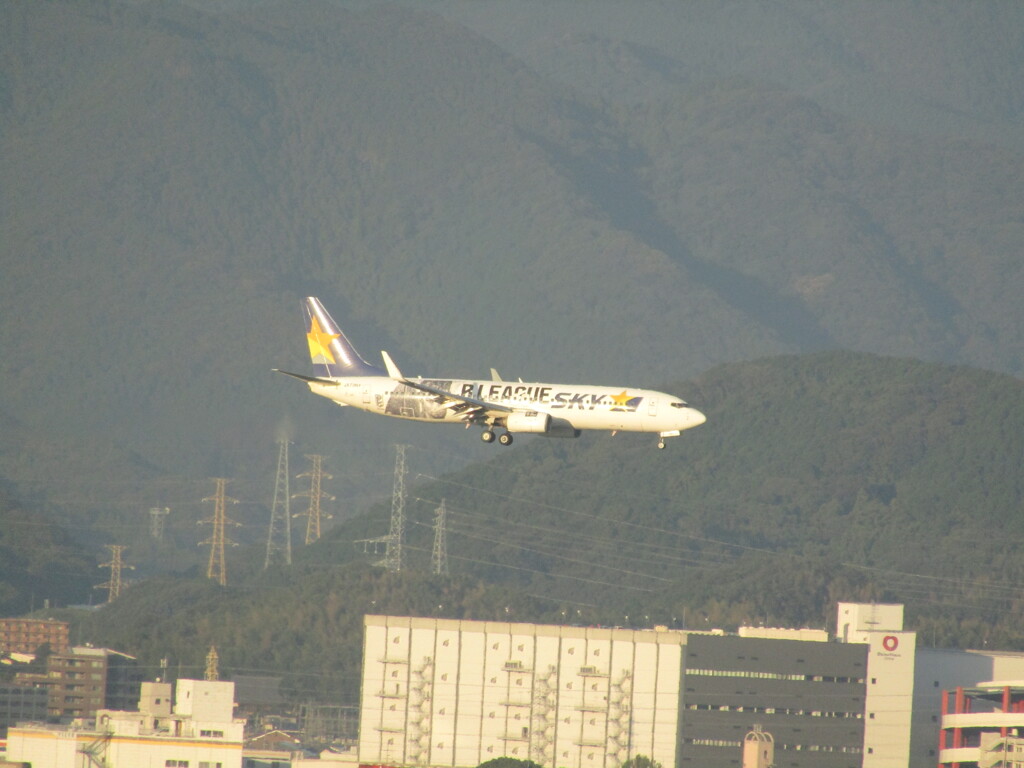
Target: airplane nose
point(694, 418)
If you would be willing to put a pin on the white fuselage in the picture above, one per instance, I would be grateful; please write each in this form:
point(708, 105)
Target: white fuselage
point(582, 406)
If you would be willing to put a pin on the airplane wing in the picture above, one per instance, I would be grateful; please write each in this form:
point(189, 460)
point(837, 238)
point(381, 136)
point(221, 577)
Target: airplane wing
point(469, 408)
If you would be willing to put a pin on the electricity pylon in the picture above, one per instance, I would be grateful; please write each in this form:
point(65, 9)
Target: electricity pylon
point(439, 558)
point(212, 664)
point(157, 518)
point(115, 565)
point(393, 556)
point(279, 539)
point(216, 568)
point(313, 515)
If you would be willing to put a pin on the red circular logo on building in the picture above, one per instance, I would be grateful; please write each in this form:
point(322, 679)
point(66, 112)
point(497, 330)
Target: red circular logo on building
point(890, 642)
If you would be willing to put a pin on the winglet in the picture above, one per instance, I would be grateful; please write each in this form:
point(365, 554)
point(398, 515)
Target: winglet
point(393, 371)
point(495, 376)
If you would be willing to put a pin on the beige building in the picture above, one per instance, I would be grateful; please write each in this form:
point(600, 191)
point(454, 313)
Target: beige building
point(200, 732)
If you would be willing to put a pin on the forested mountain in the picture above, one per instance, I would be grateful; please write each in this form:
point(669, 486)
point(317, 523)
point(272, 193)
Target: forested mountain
point(627, 198)
point(823, 477)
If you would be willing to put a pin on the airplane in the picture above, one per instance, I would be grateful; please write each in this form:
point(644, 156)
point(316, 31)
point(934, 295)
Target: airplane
point(550, 410)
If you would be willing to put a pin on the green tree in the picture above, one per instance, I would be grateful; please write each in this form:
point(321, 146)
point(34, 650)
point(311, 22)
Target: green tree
point(641, 761)
point(509, 762)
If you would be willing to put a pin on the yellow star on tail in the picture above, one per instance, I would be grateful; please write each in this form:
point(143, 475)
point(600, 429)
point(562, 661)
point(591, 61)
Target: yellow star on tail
point(320, 343)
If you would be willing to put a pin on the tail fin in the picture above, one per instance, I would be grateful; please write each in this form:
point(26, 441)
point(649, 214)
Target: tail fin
point(331, 352)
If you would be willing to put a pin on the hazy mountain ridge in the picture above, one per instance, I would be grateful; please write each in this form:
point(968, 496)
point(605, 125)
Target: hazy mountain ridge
point(177, 179)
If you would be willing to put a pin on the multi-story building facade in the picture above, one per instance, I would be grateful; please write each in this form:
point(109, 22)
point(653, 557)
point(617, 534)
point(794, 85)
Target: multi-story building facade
point(26, 635)
point(809, 696)
point(85, 680)
point(19, 703)
point(458, 693)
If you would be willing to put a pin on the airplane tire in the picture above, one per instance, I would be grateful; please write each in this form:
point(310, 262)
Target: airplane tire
point(487, 436)
point(505, 438)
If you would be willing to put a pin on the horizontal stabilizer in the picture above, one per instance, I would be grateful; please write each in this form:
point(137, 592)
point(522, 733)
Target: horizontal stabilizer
point(308, 379)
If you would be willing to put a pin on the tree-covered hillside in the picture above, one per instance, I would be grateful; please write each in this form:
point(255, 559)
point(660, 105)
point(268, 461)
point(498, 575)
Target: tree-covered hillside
point(817, 478)
point(176, 178)
point(853, 461)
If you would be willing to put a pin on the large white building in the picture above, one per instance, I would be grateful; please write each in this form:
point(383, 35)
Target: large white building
point(458, 693)
point(200, 732)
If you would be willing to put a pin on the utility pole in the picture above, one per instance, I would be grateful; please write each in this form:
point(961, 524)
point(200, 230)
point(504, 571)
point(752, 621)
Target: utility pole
point(313, 515)
point(157, 518)
point(393, 556)
point(115, 565)
point(280, 513)
point(216, 568)
point(439, 558)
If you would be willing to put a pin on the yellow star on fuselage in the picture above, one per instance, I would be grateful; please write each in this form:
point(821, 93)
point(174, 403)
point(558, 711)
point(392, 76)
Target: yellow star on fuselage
point(320, 342)
point(621, 399)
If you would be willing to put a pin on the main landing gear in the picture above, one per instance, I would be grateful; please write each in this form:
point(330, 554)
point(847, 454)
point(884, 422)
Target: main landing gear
point(505, 438)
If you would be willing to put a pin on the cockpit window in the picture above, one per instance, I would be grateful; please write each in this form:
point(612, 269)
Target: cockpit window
point(678, 404)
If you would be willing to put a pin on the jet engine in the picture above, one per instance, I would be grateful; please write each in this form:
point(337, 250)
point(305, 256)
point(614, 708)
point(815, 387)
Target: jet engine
point(539, 423)
point(528, 421)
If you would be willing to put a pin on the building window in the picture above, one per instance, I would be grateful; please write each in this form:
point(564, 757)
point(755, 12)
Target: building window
point(176, 763)
point(211, 734)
